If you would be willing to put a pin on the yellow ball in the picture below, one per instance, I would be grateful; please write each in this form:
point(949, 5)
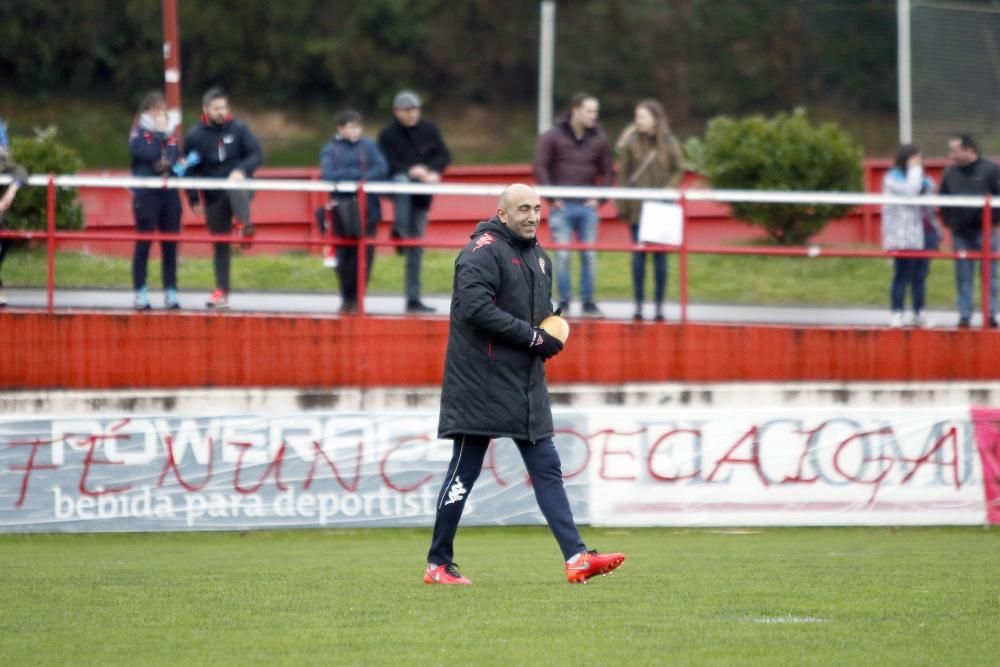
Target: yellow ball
point(556, 327)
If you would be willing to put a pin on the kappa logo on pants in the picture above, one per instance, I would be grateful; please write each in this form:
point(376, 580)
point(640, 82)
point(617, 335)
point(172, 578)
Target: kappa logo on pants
point(456, 492)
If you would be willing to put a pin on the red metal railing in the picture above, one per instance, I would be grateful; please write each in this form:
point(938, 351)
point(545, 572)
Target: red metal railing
point(53, 237)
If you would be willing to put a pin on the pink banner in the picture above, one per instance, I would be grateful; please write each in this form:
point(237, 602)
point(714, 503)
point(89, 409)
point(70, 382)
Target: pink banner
point(987, 429)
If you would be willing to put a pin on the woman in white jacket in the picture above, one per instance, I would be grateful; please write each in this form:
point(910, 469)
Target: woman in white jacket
point(908, 227)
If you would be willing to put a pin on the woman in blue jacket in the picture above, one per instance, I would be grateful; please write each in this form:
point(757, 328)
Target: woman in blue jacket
point(153, 147)
point(349, 156)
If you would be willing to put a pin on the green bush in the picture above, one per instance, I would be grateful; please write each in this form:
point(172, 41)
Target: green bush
point(43, 154)
point(785, 152)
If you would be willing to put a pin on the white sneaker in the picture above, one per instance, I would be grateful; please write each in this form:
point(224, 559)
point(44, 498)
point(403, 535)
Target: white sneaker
point(896, 319)
point(329, 258)
point(921, 321)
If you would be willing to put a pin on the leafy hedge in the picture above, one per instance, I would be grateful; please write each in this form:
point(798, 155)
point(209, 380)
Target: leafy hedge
point(43, 154)
point(784, 152)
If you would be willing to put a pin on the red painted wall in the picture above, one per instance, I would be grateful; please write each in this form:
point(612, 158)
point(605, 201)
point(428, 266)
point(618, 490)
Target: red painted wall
point(100, 351)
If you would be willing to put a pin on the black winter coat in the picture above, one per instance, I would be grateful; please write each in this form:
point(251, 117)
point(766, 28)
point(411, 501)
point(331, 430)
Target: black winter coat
point(979, 178)
point(221, 149)
point(404, 147)
point(494, 384)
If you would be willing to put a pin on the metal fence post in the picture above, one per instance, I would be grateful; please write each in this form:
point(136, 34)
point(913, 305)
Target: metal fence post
point(362, 248)
point(50, 240)
point(987, 261)
point(684, 257)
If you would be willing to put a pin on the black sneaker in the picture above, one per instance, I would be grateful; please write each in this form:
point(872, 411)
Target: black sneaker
point(418, 307)
point(563, 307)
point(590, 309)
point(993, 322)
point(348, 308)
point(963, 323)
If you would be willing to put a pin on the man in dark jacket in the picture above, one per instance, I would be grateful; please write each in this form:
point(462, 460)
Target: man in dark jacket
point(970, 174)
point(575, 152)
point(349, 156)
point(221, 146)
point(416, 154)
point(494, 381)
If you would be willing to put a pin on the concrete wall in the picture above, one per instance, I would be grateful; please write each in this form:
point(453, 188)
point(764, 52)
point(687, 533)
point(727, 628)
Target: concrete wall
point(633, 395)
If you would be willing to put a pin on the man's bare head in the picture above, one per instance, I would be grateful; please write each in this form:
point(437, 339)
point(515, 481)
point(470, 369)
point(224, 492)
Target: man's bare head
point(520, 209)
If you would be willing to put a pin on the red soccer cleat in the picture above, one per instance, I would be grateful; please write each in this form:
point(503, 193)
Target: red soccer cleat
point(444, 574)
point(590, 564)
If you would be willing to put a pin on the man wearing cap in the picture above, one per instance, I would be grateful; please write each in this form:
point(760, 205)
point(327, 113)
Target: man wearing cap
point(416, 154)
point(8, 168)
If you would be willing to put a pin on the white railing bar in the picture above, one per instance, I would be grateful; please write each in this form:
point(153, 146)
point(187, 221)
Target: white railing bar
point(493, 190)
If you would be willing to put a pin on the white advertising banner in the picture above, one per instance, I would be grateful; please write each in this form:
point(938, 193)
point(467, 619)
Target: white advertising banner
point(624, 467)
point(767, 466)
point(236, 472)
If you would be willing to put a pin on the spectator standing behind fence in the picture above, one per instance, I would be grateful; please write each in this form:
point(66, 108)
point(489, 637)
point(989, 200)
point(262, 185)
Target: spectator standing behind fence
point(154, 152)
point(908, 227)
point(349, 156)
point(649, 156)
point(575, 152)
point(20, 176)
point(221, 146)
point(970, 174)
point(416, 153)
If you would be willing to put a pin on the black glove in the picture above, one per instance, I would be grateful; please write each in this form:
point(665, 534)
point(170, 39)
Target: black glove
point(545, 345)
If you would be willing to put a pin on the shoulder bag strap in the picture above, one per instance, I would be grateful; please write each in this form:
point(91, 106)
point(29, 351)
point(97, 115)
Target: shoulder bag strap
point(642, 167)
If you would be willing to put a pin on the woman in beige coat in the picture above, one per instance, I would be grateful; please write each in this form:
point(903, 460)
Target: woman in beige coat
point(649, 156)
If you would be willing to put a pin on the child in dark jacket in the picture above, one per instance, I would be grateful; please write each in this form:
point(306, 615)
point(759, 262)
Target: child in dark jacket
point(349, 156)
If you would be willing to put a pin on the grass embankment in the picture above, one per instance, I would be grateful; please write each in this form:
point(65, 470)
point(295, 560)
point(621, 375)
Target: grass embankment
point(841, 596)
point(712, 278)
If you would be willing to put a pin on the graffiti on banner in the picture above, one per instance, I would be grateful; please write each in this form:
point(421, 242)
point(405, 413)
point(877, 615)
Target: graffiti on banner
point(622, 467)
point(238, 472)
point(790, 467)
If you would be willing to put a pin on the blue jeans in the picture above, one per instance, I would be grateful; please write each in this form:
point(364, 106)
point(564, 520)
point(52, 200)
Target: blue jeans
point(575, 219)
point(545, 470)
point(639, 272)
point(909, 272)
point(410, 223)
point(964, 269)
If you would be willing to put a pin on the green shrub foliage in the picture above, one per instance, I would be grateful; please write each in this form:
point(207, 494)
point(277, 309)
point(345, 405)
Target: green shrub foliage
point(784, 152)
point(43, 154)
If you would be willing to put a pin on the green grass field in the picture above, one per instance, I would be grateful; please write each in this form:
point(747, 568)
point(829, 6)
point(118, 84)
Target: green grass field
point(839, 596)
point(712, 278)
